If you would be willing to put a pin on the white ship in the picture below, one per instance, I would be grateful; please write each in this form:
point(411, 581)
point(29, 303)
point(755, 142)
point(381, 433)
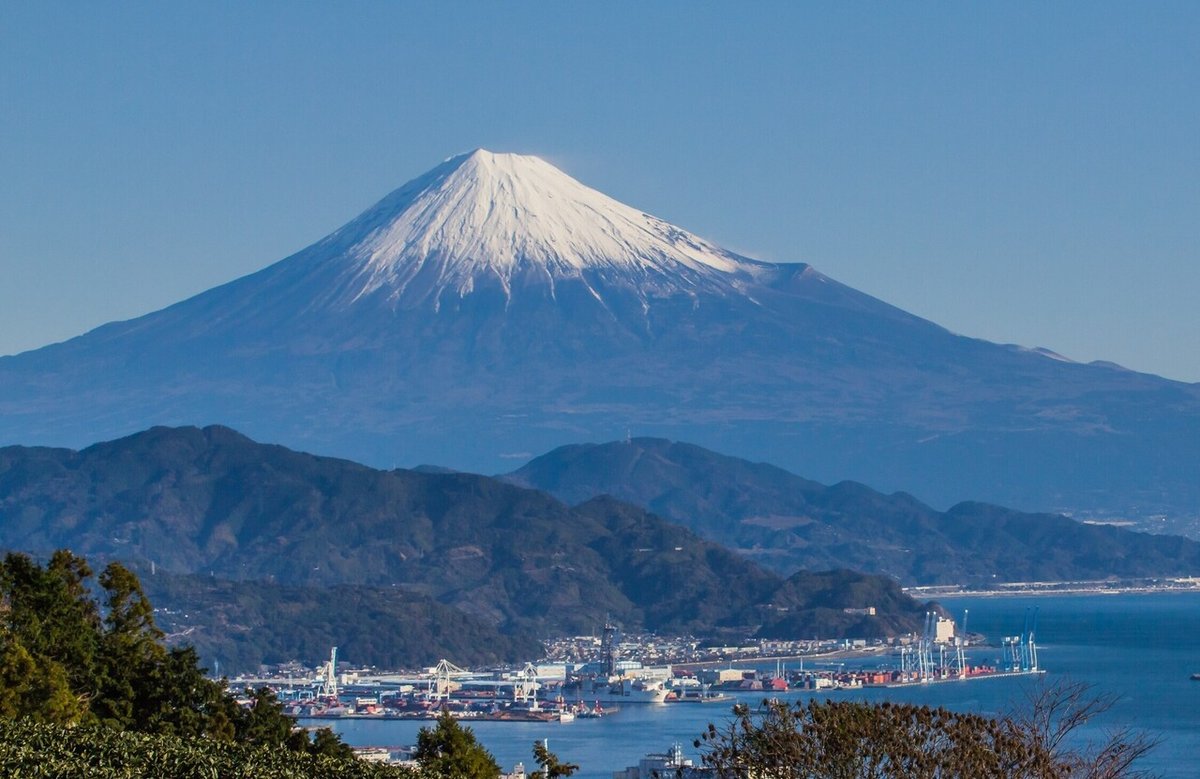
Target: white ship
point(617, 691)
point(611, 681)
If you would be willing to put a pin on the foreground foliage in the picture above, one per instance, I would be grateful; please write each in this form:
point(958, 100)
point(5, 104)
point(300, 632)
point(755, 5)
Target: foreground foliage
point(824, 739)
point(68, 658)
point(42, 751)
point(550, 767)
point(450, 751)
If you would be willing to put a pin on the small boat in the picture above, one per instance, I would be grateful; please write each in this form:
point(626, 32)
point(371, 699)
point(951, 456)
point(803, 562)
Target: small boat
point(595, 713)
point(1196, 677)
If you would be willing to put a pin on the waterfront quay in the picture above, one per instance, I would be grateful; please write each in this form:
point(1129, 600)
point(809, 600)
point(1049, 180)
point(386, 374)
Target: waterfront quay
point(690, 651)
point(596, 676)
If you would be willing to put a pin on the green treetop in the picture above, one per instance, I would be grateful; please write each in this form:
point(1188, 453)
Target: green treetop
point(450, 751)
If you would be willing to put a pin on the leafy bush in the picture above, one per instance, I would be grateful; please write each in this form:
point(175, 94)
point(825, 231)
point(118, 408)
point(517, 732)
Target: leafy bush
point(824, 739)
point(43, 751)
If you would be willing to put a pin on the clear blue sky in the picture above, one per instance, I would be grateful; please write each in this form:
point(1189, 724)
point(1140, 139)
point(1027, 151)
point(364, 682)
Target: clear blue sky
point(1024, 173)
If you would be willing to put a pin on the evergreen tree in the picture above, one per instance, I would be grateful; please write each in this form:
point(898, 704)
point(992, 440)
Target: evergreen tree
point(131, 657)
point(34, 688)
point(64, 660)
point(450, 751)
point(182, 701)
point(552, 767)
point(326, 742)
point(263, 721)
point(51, 613)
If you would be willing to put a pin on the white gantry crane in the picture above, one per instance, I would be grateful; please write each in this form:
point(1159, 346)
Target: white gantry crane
point(327, 684)
point(443, 679)
point(526, 686)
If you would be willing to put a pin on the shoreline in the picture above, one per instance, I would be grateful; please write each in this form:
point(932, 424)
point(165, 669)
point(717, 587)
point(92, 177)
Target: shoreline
point(1079, 588)
point(835, 655)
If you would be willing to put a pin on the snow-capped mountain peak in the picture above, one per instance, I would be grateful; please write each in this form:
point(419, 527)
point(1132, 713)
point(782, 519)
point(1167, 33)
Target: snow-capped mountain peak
point(496, 216)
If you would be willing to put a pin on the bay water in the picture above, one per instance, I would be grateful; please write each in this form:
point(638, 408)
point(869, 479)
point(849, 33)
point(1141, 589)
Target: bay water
point(1139, 648)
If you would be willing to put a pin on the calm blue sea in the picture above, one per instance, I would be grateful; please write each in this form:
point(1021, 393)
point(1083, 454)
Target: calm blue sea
point(1140, 648)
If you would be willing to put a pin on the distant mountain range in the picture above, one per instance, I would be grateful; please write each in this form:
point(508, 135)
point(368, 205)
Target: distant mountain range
point(281, 525)
point(494, 308)
point(789, 523)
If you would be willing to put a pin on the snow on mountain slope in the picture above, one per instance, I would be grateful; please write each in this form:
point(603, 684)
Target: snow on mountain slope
point(484, 216)
point(494, 305)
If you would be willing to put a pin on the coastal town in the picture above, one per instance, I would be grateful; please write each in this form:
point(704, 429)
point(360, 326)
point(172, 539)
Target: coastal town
point(594, 677)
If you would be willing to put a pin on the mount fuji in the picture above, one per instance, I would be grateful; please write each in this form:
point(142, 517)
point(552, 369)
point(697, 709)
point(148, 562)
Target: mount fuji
point(495, 307)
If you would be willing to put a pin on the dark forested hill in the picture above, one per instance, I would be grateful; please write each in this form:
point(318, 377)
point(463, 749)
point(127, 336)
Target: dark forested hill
point(834, 599)
point(212, 502)
point(788, 523)
point(239, 626)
